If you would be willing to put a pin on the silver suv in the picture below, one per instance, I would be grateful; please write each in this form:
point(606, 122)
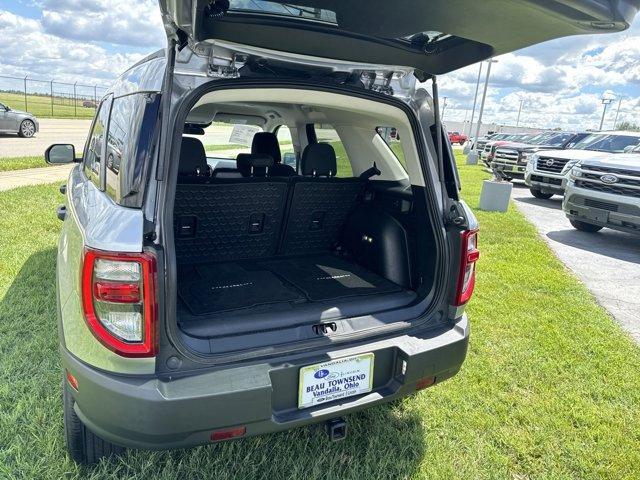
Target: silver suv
point(605, 192)
point(261, 252)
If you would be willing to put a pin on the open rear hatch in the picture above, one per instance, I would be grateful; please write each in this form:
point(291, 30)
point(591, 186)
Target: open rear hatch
point(435, 36)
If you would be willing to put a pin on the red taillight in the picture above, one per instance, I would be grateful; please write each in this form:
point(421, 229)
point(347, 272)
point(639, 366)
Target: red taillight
point(469, 257)
point(227, 433)
point(118, 298)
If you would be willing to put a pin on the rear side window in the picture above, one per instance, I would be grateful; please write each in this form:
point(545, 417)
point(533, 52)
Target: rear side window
point(94, 150)
point(391, 137)
point(327, 134)
point(128, 149)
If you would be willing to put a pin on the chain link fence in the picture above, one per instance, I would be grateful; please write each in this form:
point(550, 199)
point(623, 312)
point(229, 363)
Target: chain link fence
point(49, 98)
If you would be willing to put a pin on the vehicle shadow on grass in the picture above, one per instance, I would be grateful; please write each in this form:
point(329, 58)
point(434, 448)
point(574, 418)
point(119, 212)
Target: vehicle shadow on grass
point(383, 442)
point(387, 441)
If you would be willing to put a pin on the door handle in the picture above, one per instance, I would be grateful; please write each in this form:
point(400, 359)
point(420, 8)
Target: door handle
point(61, 212)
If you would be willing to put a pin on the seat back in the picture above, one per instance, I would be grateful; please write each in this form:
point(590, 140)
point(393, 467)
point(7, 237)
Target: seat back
point(266, 143)
point(320, 203)
point(193, 164)
point(237, 215)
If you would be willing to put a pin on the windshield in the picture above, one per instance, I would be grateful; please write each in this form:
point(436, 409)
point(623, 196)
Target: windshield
point(600, 142)
point(283, 9)
point(558, 140)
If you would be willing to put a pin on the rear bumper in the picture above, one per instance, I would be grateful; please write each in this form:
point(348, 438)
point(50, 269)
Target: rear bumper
point(604, 209)
point(157, 414)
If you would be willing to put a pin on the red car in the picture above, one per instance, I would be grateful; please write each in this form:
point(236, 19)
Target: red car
point(457, 137)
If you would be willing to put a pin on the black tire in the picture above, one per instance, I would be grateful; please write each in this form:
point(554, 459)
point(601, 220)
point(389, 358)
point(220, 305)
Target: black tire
point(84, 447)
point(27, 129)
point(540, 194)
point(585, 227)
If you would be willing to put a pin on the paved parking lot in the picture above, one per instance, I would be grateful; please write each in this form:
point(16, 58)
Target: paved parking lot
point(608, 262)
point(52, 130)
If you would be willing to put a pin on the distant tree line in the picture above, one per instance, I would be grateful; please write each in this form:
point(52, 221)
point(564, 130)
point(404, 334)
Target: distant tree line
point(628, 126)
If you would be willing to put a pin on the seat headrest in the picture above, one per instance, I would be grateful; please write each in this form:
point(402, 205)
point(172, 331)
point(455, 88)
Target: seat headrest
point(266, 143)
point(193, 159)
point(251, 165)
point(318, 160)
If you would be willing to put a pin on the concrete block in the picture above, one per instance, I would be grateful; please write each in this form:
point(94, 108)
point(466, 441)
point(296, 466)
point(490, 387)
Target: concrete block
point(495, 196)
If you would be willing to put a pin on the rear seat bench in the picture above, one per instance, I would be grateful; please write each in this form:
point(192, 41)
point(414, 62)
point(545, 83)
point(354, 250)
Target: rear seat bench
point(250, 213)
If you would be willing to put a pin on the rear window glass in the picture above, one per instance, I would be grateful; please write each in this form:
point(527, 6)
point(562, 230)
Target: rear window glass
point(327, 134)
point(392, 138)
point(94, 148)
point(284, 9)
point(286, 146)
point(128, 145)
point(223, 141)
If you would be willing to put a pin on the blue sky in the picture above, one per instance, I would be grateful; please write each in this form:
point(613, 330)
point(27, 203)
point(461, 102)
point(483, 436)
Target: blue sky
point(561, 82)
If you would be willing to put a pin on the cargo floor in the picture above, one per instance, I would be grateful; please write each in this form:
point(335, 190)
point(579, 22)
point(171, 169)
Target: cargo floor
point(312, 287)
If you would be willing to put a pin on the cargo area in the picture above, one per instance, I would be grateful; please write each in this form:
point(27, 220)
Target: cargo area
point(276, 231)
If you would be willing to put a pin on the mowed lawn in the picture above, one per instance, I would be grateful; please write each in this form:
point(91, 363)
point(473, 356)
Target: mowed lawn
point(40, 105)
point(20, 163)
point(550, 388)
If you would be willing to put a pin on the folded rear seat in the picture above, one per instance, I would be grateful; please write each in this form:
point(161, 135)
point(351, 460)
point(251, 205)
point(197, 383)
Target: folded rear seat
point(320, 203)
point(236, 216)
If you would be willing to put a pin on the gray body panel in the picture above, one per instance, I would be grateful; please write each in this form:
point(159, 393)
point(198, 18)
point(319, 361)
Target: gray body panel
point(183, 412)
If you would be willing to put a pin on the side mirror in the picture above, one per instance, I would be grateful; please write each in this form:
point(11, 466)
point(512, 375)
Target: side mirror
point(60, 154)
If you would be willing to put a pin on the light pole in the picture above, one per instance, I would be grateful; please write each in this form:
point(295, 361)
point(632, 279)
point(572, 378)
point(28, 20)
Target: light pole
point(615, 122)
point(606, 101)
point(472, 158)
point(475, 99)
point(444, 105)
point(519, 112)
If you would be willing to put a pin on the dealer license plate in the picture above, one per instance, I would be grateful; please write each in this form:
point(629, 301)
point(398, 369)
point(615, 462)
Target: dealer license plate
point(336, 379)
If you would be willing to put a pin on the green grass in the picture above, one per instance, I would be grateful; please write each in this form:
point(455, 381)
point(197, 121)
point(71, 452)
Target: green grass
point(550, 388)
point(19, 163)
point(40, 106)
point(217, 147)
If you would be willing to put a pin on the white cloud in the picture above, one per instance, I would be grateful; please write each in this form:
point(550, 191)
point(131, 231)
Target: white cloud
point(123, 22)
point(562, 83)
point(26, 49)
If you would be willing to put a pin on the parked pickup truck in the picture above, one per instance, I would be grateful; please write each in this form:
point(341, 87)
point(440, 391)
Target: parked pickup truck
point(486, 155)
point(457, 137)
point(547, 172)
point(605, 192)
point(511, 158)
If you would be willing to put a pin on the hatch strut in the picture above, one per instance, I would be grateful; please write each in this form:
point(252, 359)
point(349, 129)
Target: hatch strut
point(165, 106)
point(436, 113)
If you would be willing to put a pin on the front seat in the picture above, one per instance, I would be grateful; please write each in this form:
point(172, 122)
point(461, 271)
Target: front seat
point(193, 160)
point(266, 143)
